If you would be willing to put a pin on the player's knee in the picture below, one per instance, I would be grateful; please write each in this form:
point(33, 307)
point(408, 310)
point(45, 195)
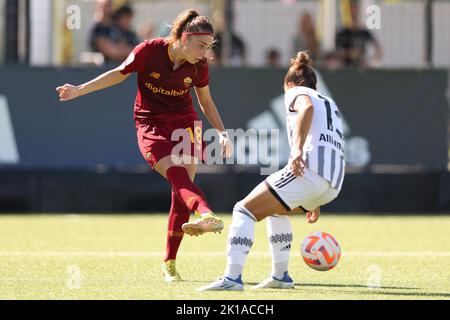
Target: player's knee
point(241, 209)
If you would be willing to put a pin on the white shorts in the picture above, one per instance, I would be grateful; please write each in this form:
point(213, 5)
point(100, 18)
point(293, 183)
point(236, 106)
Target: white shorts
point(307, 192)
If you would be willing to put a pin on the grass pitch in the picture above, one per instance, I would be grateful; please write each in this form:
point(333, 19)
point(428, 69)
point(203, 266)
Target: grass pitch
point(119, 257)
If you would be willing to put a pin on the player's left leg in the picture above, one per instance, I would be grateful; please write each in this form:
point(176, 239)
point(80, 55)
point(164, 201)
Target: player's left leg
point(279, 234)
point(178, 215)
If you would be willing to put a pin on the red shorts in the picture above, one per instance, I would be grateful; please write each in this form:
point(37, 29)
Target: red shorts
point(159, 139)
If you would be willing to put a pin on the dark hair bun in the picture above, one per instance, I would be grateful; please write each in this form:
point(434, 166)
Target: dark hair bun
point(301, 60)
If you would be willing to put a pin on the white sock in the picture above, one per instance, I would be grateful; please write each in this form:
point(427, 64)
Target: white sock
point(240, 240)
point(279, 234)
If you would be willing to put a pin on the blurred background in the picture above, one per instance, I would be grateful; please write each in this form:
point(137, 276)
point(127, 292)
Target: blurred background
point(385, 63)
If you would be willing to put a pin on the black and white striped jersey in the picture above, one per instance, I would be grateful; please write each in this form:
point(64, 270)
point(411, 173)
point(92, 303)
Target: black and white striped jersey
point(323, 150)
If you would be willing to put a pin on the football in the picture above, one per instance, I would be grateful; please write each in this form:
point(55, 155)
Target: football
point(321, 251)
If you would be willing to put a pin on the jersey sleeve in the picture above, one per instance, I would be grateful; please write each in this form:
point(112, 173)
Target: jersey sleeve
point(291, 96)
point(135, 61)
point(202, 75)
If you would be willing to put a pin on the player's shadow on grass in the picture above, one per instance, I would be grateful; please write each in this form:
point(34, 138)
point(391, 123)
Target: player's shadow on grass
point(375, 291)
point(368, 291)
point(302, 285)
point(340, 286)
point(421, 294)
point(372, 292)
point(350, 286)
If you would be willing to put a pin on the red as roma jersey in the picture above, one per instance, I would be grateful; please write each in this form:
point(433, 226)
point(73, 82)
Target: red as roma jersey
point(163, 93)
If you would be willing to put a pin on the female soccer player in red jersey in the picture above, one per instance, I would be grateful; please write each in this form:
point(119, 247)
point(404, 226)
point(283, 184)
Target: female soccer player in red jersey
point(167, 68)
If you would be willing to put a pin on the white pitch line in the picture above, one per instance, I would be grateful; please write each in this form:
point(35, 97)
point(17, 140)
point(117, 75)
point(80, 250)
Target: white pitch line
point(206, 253)
point(397, 254)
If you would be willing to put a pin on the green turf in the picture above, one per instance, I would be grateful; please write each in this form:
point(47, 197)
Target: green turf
point(119, 258)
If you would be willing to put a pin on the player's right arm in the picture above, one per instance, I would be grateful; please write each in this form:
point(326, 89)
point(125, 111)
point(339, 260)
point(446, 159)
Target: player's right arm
point(134, 63)
point(105, 80)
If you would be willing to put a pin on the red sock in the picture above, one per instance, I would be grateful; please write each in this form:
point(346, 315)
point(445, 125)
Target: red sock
point(186, 190)
point(178, 215)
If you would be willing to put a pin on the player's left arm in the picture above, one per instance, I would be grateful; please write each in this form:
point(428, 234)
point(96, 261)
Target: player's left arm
point(313, 216)
point(209, 109)
point(305, 109)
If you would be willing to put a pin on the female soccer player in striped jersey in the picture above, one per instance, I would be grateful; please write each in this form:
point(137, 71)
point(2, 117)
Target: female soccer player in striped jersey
point(167, 69)
point(313, 177)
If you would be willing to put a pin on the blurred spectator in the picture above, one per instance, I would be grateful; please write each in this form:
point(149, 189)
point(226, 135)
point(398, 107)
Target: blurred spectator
point(332, 61)
point(122, 19)
point(146, 31)
point(351, 42)
point(164, 30)
point(104, 38)
point(273, 58)
point(306, 38)
point(237, 50)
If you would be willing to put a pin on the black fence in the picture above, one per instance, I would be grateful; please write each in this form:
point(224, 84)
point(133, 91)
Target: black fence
point(50, 190)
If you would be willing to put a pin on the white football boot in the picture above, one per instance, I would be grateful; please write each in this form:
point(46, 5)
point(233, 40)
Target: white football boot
point(224, 284)
point(273, 283)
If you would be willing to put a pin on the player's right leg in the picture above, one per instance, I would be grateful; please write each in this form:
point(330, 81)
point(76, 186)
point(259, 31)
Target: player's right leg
point(155, 144)
point(188, 192)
